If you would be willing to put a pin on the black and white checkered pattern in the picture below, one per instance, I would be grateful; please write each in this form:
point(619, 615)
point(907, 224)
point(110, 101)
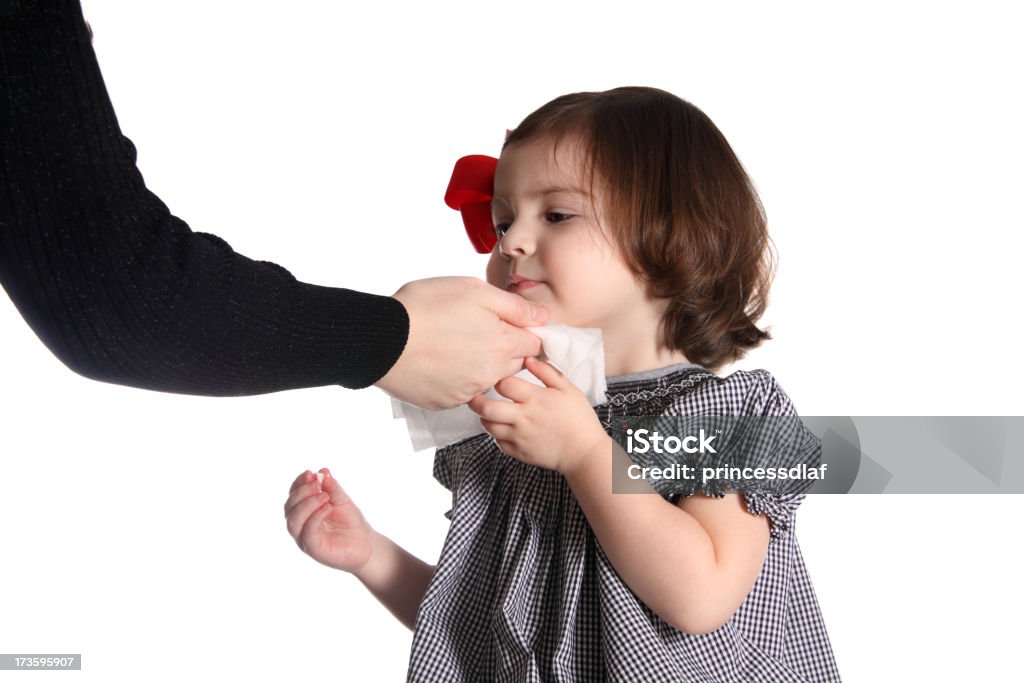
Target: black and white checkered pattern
point(523, 591)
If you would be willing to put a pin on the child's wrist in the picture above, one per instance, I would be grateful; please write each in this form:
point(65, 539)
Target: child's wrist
point(589, 456)
point(370, 572)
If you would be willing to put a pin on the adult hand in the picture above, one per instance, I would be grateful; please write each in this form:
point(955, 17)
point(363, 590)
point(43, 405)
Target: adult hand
point(463, 337)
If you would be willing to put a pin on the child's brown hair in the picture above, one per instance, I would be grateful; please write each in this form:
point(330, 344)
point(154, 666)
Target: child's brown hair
point(681, 208)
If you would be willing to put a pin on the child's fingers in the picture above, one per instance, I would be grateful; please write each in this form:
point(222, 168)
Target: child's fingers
point(305, 486)
point(333, 489)
point(302, 493)
point(310, 530)
point(547, 373)
point(299, 514)
point(507, 447)
point(299, 481)
point(499, 431)
point(518, 390)
point(492, 410)
point(477, 403)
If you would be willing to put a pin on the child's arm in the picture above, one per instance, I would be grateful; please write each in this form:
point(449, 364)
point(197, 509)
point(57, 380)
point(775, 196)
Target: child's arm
point(328, 526)
point(692, 563)
point(397, 578)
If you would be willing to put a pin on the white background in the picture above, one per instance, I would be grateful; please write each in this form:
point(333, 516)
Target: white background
point(146, 532)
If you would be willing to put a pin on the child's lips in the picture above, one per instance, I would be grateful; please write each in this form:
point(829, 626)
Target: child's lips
point(517, 284)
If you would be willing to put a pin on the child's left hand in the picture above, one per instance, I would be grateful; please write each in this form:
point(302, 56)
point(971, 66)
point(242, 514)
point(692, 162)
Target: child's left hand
point(553, 426)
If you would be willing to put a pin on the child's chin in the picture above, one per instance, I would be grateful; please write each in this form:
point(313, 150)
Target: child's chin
point(535, 295)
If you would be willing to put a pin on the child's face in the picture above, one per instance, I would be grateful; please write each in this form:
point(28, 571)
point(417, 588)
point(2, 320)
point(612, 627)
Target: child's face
point(553, 249)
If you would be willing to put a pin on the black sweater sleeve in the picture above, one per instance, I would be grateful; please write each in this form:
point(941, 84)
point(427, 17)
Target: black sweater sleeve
point(118, 288)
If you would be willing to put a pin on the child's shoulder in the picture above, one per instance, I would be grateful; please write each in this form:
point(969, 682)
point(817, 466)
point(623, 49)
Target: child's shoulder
point(744, 392)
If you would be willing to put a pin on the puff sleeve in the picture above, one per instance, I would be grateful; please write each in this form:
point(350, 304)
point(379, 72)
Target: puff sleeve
point(766, 453)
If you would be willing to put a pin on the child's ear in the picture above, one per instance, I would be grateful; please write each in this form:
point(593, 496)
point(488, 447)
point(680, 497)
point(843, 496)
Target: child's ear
point(508, 132)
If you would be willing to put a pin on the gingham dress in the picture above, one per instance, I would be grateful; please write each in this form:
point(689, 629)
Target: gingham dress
point(524, 592)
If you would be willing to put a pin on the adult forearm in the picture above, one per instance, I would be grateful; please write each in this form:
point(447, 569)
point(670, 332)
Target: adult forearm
point(396, 578)
point(119, 288)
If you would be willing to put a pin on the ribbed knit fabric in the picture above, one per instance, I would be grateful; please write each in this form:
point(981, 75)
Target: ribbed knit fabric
point(118, 288)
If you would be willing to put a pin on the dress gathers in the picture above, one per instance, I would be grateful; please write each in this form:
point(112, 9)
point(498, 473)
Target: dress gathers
point(524, 592)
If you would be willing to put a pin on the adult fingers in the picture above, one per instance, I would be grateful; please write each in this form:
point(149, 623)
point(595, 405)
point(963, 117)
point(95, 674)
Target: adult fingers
point(518, 344)
point(514, 309)
point(515, 313)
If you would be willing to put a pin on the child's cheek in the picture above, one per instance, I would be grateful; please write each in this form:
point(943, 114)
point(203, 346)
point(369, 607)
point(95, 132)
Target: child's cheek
point(497, 270)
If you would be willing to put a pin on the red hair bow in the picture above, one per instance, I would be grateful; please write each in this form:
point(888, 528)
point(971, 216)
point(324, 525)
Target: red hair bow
point(470, 191)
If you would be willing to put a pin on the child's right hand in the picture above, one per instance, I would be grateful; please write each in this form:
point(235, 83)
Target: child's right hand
point(326, 524)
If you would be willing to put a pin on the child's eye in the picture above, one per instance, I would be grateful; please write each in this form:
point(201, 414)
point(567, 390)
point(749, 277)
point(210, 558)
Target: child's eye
point(556, 217)
point(501, 228)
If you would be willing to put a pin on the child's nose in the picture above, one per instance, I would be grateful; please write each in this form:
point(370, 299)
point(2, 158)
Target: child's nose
point(519, 240)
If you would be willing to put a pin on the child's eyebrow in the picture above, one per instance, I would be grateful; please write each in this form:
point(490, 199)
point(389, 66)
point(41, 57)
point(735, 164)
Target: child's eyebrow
point(566, 190)
point(544, 192)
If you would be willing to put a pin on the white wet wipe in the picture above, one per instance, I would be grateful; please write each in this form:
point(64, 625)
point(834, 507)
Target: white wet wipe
point(578, 352)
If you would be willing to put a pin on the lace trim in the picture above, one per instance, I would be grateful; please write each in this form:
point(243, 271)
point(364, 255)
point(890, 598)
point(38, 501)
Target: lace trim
point(634, 397)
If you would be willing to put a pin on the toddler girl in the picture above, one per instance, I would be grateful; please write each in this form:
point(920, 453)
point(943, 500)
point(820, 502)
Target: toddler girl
point(624, 210)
